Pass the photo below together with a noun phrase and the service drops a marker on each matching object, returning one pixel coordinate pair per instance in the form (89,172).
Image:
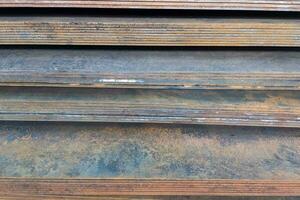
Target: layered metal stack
(150,99)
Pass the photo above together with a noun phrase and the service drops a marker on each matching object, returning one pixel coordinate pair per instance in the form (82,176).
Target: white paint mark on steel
(120,81)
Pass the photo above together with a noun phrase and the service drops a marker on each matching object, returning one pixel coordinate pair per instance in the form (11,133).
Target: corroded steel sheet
(140,68)
(219,107)
(93,150)
(149,31)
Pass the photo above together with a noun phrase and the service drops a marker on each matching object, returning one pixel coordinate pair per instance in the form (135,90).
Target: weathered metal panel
(222,107)
(93,150)
(140,68)
(150,31)
(88,160)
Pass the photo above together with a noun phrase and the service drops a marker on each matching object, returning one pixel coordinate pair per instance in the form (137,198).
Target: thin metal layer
(219,107)
(94,187)
(149,31)
(140,68)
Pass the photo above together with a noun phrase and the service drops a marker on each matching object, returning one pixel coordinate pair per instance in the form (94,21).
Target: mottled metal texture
(70,159)
(222,107)
(85,150)
(264,5)
(149,31)
(127,68)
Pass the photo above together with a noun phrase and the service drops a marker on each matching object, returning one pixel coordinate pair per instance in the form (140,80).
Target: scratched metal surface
(140,68)
(147,151)
(222,107)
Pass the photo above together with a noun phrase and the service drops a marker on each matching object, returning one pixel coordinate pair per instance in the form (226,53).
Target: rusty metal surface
(94,150)
(222,107)
(70,159)
(140,68)
(149,31)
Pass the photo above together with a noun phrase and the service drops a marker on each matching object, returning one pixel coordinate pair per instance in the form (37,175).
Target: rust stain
(149,151)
